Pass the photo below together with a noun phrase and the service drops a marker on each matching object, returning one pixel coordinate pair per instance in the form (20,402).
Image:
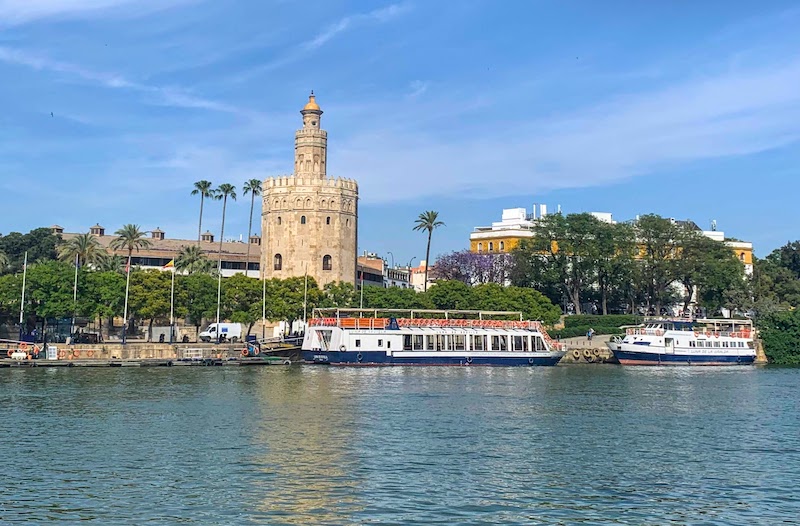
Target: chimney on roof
(255,239)
(97,230)
(57,229)
(157,234)
(208,236)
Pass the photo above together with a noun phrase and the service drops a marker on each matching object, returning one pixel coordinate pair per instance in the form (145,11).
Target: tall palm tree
(131,238)
(192,260)
(428,220)
(252,187)
(203,188)
(83,247)
(223,191)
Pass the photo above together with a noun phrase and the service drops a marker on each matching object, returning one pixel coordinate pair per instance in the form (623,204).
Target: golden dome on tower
(312,103)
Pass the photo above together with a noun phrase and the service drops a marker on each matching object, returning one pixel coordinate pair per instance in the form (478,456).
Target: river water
(439,445)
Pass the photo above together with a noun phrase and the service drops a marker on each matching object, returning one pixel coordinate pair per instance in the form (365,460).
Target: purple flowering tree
(473,269)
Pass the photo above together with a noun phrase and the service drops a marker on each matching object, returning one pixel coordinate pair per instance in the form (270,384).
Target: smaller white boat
(686,342)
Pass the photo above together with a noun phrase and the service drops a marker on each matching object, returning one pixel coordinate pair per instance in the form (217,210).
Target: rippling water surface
(319,445)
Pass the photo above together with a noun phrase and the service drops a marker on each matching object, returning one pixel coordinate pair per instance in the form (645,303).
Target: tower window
(491,246)
(328,220)
(279,220)
(347,222)
(302,220)
(502,246)
(326,263)
(278,264)
(480,247)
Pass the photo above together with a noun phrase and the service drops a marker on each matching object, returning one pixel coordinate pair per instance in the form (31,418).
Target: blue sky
(688,110)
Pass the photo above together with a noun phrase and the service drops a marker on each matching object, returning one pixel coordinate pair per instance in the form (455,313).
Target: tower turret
(311,142)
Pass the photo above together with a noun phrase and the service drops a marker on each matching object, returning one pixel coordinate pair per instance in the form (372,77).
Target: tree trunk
(200,223)
(427,260)
(603,294)
(249,233)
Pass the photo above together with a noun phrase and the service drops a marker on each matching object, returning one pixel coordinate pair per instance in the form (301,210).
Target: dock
(150,362)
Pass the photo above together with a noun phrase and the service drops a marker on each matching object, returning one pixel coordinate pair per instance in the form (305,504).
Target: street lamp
(392,257)
(409,263)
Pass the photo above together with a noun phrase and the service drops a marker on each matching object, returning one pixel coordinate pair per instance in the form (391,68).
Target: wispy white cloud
(417,87)
(723,115)
(163,95)
(344,24)
(21,11)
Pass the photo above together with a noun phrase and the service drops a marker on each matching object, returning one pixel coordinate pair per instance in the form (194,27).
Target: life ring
(359,357)
(576,354)
(76,353)
(342,348)
(23,346)
(716,335)
(469,359)
(35,352)
(531,360)
(244,352)
(89,353)
(9,353)
(62,353)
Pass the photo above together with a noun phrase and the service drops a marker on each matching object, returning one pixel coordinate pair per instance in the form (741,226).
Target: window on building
(328,220)
(279,220)
(480,247)
(502,246)
(347,222)
(741,256)
(278,262)
(302,220)
(327,263)
(491,247)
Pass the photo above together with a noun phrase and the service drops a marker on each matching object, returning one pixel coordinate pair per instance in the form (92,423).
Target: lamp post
(392,257)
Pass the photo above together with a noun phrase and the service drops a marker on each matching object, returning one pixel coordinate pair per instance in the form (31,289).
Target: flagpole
(74,297)
(127,288)
(219,291)
(305,298)
(172,307)
(22,301)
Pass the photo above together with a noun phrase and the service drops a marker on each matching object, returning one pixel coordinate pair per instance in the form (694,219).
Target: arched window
(328,220)
(279,220)
(278,264)
(480,247)
(308,203)
(302,220)
(491,246)
(347,223)
(502,246)
(741,256)
(326,263)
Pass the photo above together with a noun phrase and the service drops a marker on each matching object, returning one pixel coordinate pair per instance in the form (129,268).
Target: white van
(228,332)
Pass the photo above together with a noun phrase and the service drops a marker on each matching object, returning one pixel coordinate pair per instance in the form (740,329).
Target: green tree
(40,244)
(532,304)
(107,289)
(130,238)
(84,247)
(616,244)
(339,294)
(241,302)
(659,242)
(192,260)
(252,187)
(198,295)
(452,295)
(149,296)
(3,261)
(428,221)
(203,189)
(780,334)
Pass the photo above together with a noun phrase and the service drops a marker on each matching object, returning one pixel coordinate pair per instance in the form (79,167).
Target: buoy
(244,352)
(359,357)
(23,346)
(62,353)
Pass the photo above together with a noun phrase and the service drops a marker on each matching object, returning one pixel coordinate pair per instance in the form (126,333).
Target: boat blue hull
(649,358)
(380,358)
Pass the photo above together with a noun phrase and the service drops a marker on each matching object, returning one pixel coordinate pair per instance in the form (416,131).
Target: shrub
(596,320)
(780,334)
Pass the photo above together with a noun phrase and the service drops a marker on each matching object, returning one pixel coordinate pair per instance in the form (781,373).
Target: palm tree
(223,191)
(130,238)
(428,221)
(83,247)
(192,260)
(204,189)
(252,187)
(106,262)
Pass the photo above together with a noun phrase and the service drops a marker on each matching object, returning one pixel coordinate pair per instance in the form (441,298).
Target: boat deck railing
(710,333)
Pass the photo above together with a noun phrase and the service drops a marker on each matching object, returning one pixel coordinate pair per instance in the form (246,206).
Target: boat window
(459,341)
(429,342)
(441,342)
(380,342)
(418,342)
(716,344)
(388,344)
(499,343)
(478,343)
(538,343)
(325,337)
(406,342)
(358,343)
(724,344)
(520,343)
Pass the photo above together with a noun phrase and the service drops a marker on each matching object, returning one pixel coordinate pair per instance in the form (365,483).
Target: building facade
(162,250)
(309,221)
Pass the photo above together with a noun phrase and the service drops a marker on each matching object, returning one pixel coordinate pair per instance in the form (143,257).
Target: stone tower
(309,221)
